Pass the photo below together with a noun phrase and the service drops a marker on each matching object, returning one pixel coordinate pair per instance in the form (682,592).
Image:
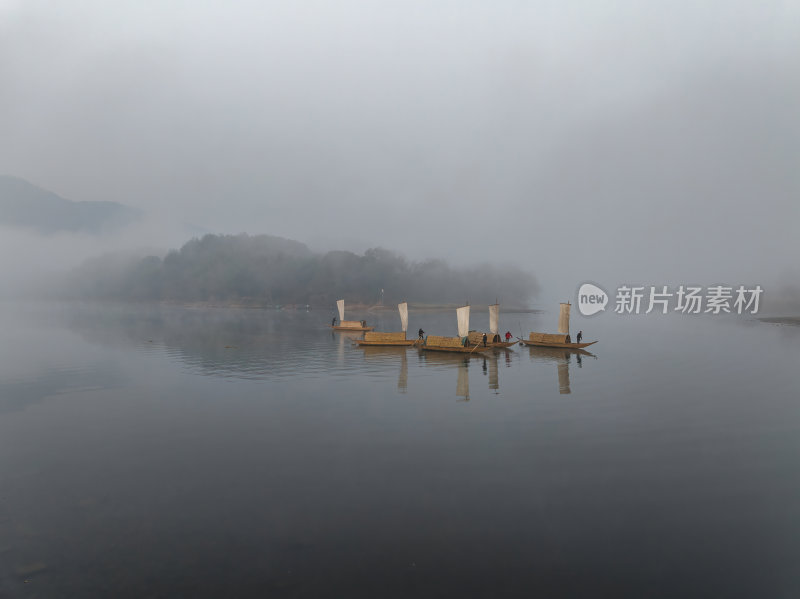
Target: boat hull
(474,349)
(501,344)
(406,343)
(565,345)
(356,329)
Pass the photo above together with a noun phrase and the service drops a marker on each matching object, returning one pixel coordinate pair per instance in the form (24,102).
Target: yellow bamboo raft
(451,344)
(352,325)
(552,340)
(386,339)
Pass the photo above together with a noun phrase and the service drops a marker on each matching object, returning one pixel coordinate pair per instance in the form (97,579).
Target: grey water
(163,451)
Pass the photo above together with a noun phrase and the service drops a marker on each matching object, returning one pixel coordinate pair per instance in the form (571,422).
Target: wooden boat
(562,339)
(451,344)
(390,339)
(349,325)
(458,344)
(493,338)
(554,343)
(476,338)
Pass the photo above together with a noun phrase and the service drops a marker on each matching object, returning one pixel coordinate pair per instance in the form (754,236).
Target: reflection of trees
(222,342)
(561,357)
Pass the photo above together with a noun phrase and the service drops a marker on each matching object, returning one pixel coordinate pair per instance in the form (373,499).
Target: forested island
(266,270)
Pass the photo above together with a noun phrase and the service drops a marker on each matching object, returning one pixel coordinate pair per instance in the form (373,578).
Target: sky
(649,142)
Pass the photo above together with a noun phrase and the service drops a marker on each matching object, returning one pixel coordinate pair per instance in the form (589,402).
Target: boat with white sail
(390,339)
(493,338)
(458,344)
(348,325)
(562,339)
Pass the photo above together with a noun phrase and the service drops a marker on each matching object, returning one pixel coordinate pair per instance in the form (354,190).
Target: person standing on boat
(580,336)
(421,334)
(333,322)
(508,336)
(484,340)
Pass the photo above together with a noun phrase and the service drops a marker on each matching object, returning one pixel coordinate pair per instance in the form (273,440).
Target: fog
(615,142)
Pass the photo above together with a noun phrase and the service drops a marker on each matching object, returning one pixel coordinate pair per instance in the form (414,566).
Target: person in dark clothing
(580,336)
(484,340)
(421,334)
(333,322)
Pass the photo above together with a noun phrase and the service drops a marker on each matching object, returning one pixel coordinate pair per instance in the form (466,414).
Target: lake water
(171,452)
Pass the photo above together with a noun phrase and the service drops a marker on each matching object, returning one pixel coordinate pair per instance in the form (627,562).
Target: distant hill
(24,205)
(263,270)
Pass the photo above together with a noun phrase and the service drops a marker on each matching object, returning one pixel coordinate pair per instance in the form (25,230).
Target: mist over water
(162,157)
(180,451)
(619,143)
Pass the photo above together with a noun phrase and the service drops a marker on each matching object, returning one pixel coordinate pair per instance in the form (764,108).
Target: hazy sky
(614,141)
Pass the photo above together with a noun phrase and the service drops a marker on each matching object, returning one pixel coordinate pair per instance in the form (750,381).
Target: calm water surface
(172,452)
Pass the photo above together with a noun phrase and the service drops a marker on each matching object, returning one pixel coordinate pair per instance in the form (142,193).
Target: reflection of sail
(494,375)
(340,349)
(563,320)
(389,355)
(340,305)
(403,308)
(402,378)
(494,319)
(462,383)
(463,321)
(563,378)
(345,338)
(562,357)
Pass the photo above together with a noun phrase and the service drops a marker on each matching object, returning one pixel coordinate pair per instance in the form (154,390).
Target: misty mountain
(25,205)
(263,269)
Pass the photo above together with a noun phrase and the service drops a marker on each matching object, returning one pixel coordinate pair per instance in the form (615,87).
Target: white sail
(563,320)
(494,319)
(340,305)
(463,321)
(403,308)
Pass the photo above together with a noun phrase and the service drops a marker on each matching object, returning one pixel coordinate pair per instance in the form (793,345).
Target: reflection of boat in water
(349,325)
(462,382)
(460,362)
(388,354)
(390,339)
(493,337)
(556,353)
(561,357)
(562,339)
(458,344)
(489,365)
